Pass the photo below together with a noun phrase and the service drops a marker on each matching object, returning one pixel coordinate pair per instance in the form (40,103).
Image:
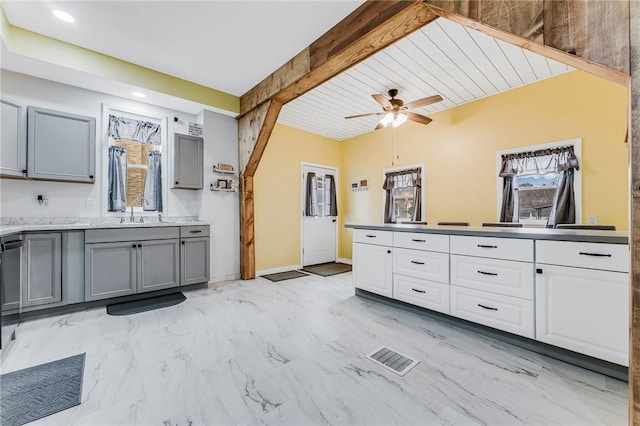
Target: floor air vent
(392,360)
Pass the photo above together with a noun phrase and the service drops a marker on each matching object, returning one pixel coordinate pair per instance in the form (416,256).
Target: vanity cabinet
(584,308)
(194,255)
(187,162)
(60,146)
(42,269)
(121,262)
(373,261)
(13,157)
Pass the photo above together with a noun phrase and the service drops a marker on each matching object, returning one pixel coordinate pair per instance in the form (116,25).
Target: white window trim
(104,129)
(422,189)
(577,178)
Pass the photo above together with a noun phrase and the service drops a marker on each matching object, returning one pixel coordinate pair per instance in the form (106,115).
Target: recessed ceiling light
(63,16)
(139,94)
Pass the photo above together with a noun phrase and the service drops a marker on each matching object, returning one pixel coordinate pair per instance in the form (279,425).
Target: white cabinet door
(584,310)
(372,268)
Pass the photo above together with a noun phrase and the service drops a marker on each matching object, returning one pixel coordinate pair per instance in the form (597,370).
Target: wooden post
(634,169)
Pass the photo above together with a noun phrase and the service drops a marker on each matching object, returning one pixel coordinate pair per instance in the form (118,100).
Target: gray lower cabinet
(110,270)
(41,269)
(158,265)
(194,259)
(121,262)
(187,162)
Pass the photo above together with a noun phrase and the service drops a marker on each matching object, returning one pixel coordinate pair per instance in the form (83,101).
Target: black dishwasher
(9,287)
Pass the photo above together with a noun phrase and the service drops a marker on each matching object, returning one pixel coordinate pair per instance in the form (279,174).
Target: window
(321,195)
(134,162)
(537,176)
(403,195)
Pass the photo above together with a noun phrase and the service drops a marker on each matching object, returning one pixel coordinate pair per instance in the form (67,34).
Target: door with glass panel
(319,214)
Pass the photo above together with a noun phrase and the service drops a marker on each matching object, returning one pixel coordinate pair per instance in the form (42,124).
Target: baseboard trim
(222,278)
(277,270)
(344,260)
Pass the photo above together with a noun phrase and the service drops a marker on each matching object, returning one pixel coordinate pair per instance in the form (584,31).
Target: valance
(134,130)
(539,162)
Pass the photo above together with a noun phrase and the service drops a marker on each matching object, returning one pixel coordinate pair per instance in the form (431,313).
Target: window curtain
(402,179)
(333,196)
(563,209)
(117,179)
(152,192)
(134,130)
(311,199)
(556,160)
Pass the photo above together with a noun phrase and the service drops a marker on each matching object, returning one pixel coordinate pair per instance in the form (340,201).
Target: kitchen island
(565,288)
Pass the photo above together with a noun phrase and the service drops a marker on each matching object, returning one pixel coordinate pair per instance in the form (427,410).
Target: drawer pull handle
(417,263)
(418,291)
(418,241)
(370,236)
(487,307)
(583,253)
(195,231)
(493,274)
(485,246)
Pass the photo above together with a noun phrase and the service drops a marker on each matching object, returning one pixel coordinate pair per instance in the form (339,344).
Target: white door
(318,229)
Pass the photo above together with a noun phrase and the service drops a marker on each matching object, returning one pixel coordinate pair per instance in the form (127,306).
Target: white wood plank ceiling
(458,63)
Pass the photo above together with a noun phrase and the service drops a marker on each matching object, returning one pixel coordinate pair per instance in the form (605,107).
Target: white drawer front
(419,241)
(497,248)
(608,257)
(502,312)
(367,236)
(422,264)
(427,294)
(496,276)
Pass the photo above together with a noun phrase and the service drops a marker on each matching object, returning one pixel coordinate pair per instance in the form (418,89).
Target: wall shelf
(226,172)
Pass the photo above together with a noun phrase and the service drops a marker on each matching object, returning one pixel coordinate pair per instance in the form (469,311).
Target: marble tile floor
(293,353)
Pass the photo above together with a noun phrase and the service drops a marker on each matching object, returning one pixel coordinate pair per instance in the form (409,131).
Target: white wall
(75,199)
(220,209)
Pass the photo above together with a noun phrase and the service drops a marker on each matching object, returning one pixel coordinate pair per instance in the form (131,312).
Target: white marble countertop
(17,225)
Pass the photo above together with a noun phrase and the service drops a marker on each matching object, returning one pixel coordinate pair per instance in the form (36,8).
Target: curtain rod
(404,172)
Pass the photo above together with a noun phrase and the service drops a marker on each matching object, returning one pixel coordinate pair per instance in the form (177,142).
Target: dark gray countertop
(613,237)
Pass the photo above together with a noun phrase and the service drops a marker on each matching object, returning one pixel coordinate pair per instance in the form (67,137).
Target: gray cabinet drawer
(194,231)
(130,234)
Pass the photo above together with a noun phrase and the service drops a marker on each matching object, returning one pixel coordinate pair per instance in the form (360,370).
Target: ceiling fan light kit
(396,112)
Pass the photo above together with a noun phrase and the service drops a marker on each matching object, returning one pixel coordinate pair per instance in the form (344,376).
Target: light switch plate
(592,219)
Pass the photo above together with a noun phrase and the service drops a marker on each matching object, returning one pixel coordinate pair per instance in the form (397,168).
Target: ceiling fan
(396,112)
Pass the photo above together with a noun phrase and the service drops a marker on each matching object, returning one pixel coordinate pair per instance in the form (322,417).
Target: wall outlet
(592,219)
(41,202)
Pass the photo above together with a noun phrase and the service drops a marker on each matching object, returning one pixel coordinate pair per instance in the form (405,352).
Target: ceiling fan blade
(379,126)
(423,102)
(382,101)
(365,115)
(418,118)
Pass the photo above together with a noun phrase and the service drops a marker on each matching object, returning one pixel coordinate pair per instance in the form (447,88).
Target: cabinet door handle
(487,307)
(485,246)
(370,236)
(388,251)
(139,245)
(583,253)
(493,274)
(418,241)
(182,242)
(134,246)
(177,183)
(90,176)
(418,291)
(417,263)
(195,231)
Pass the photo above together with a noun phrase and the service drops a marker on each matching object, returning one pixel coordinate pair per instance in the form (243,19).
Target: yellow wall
(277,192)
(459,148)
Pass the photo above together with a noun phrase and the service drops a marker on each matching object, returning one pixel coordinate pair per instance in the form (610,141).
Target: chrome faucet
(141,199)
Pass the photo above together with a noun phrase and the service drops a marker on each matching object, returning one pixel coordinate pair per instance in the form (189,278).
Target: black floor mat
(137,306)
(281,276)
(328,269)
